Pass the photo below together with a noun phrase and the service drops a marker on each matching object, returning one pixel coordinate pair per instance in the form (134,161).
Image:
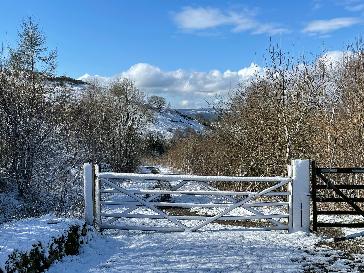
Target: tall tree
(25,100)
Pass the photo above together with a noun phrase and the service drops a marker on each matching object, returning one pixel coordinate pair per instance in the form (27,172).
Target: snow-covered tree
(24,104)
(157,102)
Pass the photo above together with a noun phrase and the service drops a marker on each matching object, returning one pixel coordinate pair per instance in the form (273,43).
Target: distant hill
(202,114)
(166,121)
(64,80)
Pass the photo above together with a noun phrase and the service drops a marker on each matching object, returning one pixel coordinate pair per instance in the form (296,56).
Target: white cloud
(183,85)
(326,26)
(333,57)
(353,5)
(150,77)
(201,18)
(184,103)
(350,5)
(355,8)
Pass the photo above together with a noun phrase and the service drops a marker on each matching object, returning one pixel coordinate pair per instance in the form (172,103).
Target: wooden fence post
(300,196)
(88,186)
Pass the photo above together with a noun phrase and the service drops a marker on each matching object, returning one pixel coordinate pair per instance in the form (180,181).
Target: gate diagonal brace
(149,199)
(145,203)
(176,187)
(133,207)
(341,194)
(209,187)
(238,204)
(256,212)
(184,182)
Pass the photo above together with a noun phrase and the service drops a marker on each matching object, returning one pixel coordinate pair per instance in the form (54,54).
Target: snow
(10,206)
(169,121)
(21,235)
(219,251)
(353,231)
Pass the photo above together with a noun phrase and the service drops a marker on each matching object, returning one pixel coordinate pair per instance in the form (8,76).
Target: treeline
(49,129)
(294,109)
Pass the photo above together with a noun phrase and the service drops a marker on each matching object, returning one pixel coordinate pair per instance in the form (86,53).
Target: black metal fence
(325,188)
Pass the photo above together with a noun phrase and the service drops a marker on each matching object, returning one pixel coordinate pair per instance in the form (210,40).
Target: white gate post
(299,203)
(88,178)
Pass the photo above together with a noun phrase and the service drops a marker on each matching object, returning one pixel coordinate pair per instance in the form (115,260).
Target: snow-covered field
(233,251)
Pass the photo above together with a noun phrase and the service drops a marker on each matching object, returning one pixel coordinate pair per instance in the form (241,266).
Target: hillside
(167,121)
(208,114)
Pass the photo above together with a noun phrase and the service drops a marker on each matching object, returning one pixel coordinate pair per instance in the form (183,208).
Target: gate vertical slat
(313,194)
(97,203)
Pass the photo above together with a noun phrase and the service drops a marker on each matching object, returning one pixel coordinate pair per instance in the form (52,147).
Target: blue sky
(187,51)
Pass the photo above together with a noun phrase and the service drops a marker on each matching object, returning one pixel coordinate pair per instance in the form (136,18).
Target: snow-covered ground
(233,251)
(169,121)
(21,235)
(209,251)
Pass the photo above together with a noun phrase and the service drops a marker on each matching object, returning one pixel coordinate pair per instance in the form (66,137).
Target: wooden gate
(154,202)
(330,197)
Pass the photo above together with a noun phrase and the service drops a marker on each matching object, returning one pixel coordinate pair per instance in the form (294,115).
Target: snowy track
(220,251)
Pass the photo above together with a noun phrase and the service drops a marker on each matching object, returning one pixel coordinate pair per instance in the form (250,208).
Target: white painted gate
(155,202)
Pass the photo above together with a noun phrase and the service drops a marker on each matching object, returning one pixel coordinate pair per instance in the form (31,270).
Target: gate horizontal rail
(110,190)
(195,205)
(188,217)
(172,177)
